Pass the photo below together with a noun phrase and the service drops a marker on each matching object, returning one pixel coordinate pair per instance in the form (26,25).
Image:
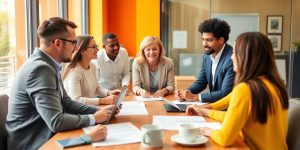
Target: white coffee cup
(152,136)
(189,132)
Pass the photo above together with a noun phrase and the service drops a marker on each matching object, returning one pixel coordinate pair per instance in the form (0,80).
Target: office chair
(293,135)
(3,113)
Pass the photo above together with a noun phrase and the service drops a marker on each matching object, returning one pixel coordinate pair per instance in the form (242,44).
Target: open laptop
(172,107)
(117,104)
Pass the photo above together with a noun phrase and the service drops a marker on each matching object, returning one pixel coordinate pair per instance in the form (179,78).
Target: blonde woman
(80,76)
(152,72)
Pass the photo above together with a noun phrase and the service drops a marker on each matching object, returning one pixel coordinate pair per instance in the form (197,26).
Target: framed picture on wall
(274,24)
(276,42)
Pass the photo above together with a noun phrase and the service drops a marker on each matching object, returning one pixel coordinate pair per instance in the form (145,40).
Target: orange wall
(104,16)
(121,20)
(96,21)
(130,20)
(148,19)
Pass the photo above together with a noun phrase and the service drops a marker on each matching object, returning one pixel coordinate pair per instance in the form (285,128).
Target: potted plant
(297,46)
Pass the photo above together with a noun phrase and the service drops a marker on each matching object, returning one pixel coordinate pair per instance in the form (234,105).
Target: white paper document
(133,108)
(211,125)
(145,99)
(120,133)
(172,122)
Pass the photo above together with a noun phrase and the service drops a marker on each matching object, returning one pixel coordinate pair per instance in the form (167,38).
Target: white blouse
(82,85)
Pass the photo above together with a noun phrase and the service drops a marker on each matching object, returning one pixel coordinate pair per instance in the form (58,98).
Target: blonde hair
(148,40)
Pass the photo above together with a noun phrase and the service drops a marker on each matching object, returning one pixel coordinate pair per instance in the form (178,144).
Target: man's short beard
(210,51)
(66,60)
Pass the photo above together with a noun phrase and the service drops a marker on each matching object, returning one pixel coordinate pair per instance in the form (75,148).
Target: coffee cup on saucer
(189,132)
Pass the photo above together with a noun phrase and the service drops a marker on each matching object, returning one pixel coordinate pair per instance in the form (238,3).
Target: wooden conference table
(153,108)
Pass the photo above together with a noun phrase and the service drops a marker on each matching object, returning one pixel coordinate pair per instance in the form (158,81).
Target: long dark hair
(251,48)
(82,44)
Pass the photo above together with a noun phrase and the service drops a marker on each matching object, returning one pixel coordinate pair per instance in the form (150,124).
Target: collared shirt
(215,61)
(111,74)
(58,67)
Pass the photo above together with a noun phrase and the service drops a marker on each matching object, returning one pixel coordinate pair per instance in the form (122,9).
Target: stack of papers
(173,122)
(145,99)
(133,108)
(120,133)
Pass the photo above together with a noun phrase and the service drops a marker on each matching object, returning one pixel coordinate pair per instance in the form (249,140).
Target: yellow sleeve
(236,116)
(219,105)
(217,115)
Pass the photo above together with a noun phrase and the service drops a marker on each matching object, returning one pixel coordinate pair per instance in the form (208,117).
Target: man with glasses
(38,104)
(112,65)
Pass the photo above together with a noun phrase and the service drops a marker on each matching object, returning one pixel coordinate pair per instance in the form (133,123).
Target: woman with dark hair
(80,76)
(257,106)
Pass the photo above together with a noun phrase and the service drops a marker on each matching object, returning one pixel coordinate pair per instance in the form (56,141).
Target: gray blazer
(36,110)
(141,75)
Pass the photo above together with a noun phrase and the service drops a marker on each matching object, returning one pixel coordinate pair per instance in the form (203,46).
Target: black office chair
(3,113)
(293,136)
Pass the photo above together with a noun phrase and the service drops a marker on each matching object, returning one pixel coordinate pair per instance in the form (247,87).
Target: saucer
(200,140)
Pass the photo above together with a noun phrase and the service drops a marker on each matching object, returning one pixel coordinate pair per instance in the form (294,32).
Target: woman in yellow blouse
(257,106)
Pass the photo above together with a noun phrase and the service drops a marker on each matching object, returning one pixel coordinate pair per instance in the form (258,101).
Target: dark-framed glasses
(74,42)
(96,46)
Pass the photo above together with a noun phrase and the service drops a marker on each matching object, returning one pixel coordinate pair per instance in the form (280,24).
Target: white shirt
(215,61)
(110,74)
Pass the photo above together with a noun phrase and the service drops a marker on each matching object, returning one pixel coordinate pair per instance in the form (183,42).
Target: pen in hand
(182,100)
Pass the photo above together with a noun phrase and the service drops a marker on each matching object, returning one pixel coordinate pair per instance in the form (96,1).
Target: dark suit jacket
(224,77)
(36,110)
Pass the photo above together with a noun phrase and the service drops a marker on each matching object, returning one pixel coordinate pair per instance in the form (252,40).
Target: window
(7,45)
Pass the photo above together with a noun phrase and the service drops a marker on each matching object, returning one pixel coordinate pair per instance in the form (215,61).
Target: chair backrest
(3,113)
(293,135)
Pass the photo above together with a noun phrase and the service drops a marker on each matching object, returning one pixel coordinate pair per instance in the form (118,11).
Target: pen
(182,100)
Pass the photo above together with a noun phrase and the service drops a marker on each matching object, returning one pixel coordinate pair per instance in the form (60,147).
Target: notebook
(117,104)
(171,107)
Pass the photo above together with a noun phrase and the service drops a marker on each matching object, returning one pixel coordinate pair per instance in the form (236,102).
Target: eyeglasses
(94,46)
(74,42)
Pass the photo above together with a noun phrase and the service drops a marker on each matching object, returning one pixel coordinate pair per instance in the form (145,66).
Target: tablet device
(171,107)
(117,104)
